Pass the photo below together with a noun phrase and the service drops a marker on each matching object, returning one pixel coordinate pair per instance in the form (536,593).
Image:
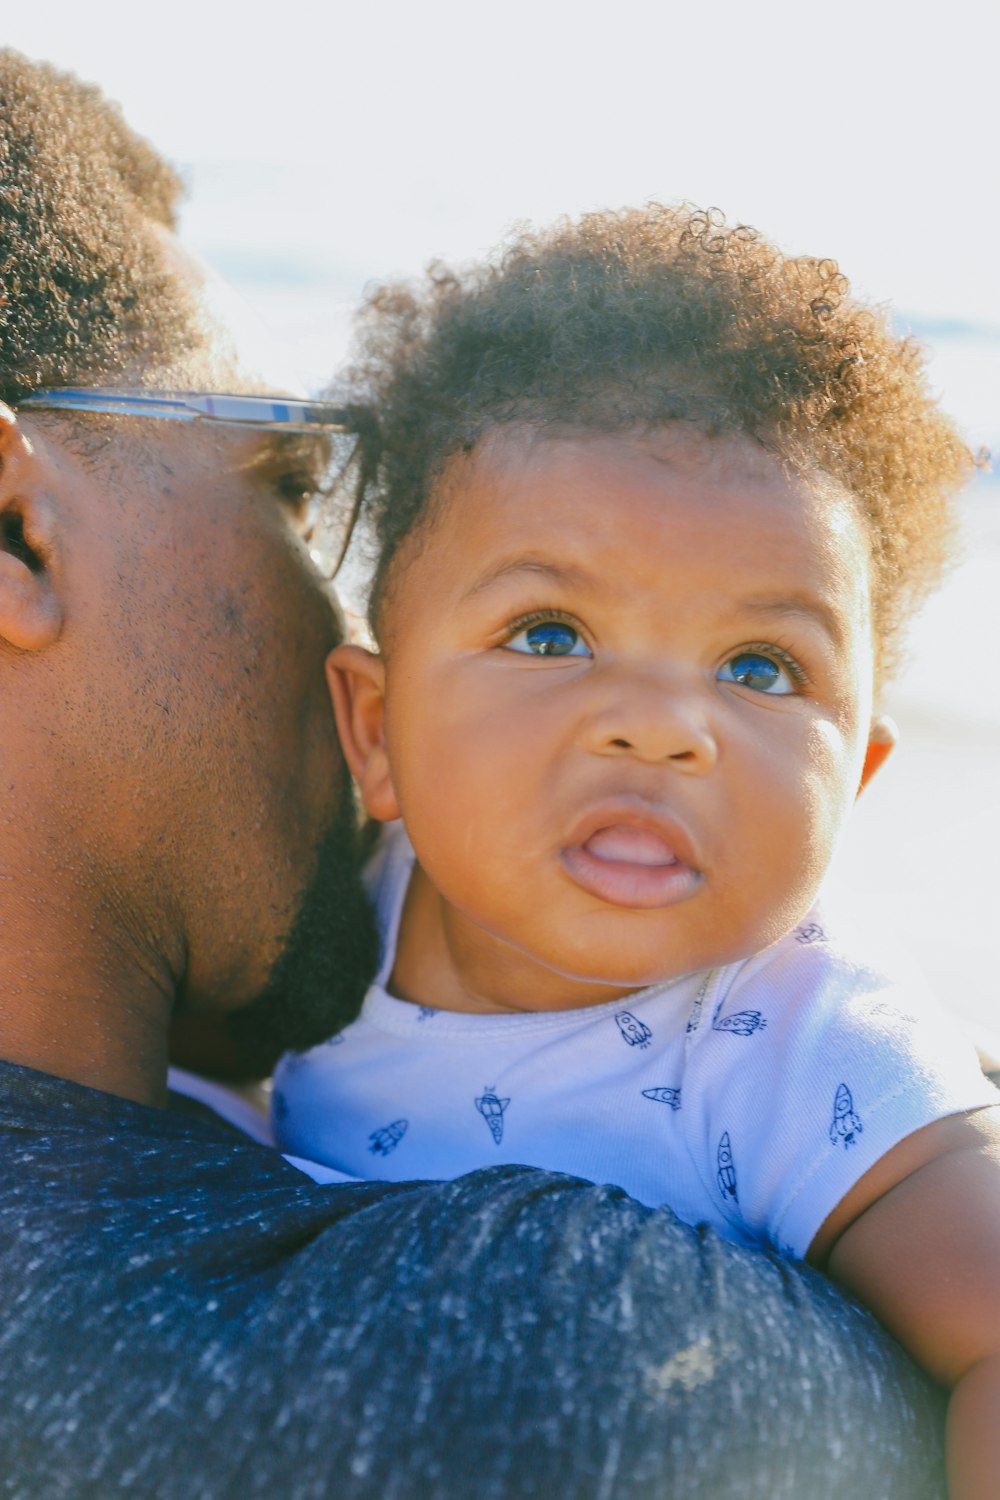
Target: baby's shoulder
(817,982)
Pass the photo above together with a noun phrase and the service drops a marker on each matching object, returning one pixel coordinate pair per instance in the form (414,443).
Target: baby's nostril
(621,744)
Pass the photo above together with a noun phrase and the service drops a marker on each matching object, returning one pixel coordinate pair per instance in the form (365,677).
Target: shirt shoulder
(812,1064)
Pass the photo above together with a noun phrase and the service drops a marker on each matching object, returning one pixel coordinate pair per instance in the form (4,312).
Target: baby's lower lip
(628,865)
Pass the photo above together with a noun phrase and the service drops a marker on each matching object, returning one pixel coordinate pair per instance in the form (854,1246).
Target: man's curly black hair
(83,292)
(630,320)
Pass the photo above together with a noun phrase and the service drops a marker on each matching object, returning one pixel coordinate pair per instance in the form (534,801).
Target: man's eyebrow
(543,568)
(303,450)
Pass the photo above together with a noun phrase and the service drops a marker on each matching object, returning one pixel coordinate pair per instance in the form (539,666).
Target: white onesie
(751,1096)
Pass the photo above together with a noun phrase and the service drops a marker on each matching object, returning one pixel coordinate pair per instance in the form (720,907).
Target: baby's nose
(653,722)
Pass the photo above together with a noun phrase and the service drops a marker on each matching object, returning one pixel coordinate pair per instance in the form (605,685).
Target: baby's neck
(446,962)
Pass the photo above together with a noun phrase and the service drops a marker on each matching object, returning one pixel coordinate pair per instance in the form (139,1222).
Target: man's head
(169,757)
(85,295)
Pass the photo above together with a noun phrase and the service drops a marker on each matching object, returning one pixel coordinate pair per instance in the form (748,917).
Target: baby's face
(629,696)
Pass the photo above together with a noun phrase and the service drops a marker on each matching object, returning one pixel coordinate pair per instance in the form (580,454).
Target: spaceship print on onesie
(664,1096)
(741,1023)
(492,1110)
(726,1174)
(633,1031)
(383,1142)
(845,1125)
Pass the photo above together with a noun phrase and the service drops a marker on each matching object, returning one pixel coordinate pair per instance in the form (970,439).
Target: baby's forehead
(513,460)
(596,500)
(521,450)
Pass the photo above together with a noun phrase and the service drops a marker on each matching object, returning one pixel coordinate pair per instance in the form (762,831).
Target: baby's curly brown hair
(634,319)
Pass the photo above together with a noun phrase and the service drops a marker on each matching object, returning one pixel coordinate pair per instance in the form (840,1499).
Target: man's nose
(655,719)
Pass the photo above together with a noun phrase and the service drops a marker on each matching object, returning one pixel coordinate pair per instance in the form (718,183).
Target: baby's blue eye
(549,638)
(753,669)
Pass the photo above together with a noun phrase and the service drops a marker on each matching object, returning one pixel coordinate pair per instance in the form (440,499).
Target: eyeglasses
(274,412)
(263,413)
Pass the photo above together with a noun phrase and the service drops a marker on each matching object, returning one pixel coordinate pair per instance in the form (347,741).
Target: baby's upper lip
(634,812)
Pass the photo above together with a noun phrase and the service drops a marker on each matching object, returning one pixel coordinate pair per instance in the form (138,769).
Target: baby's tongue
(627,845)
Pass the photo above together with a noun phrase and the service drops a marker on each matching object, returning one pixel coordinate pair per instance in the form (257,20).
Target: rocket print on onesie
(492,1110)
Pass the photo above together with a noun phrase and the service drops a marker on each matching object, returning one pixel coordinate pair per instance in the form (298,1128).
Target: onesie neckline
(390,869)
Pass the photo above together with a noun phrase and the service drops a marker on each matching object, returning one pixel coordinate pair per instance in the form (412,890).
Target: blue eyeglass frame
(277,413)
(263,413)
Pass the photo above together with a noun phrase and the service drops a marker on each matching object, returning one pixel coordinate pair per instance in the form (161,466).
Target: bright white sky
(355,141)
(860,130)
(331,143)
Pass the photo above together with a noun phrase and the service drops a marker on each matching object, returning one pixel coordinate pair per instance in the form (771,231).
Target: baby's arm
(918,1241)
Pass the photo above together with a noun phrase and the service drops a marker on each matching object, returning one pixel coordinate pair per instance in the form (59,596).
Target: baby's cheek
(829,784)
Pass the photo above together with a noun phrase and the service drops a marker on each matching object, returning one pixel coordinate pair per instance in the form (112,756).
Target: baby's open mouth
(622,843)
(629,864)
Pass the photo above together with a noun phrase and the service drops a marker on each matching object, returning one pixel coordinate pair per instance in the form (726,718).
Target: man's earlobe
(881,743)
(31,614)
(357,687)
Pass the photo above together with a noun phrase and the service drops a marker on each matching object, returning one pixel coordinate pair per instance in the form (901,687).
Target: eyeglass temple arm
(251,411)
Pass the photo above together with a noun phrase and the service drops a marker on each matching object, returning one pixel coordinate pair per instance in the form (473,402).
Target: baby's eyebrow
(801,606)
(806,607)
(541,567)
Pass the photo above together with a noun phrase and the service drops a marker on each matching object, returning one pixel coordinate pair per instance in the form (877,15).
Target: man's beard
(328,961)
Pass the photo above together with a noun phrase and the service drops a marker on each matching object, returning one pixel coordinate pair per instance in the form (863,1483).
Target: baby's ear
(357,687)
(881,743)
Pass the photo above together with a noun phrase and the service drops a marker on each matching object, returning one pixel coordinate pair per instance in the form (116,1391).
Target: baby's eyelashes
(770,671)
(763,668)
(547,635)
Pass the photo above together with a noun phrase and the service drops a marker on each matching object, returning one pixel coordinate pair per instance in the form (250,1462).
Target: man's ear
(881,742)
(31,614)
(357,687)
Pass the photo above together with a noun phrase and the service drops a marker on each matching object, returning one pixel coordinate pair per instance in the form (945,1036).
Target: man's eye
(298,490)
(765,674)
(549,638)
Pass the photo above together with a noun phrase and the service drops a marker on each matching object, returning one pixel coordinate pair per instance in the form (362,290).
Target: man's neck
(78,997)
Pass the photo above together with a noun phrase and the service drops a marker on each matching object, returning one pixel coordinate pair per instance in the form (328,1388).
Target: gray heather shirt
(186,1317)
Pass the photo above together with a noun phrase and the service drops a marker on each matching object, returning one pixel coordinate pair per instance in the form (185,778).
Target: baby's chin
(572,986)
(614,978)
(612,955)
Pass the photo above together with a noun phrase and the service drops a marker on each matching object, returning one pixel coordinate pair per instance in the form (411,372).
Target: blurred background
(329,146)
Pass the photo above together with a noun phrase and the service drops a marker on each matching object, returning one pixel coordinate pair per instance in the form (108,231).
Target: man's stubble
(328,961)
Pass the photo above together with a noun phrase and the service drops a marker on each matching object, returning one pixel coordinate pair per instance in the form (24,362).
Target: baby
(653,502)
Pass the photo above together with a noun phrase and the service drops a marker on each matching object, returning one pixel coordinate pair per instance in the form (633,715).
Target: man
(184,1313)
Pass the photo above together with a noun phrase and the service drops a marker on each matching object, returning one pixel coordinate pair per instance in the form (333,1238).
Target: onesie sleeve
(805,1068)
